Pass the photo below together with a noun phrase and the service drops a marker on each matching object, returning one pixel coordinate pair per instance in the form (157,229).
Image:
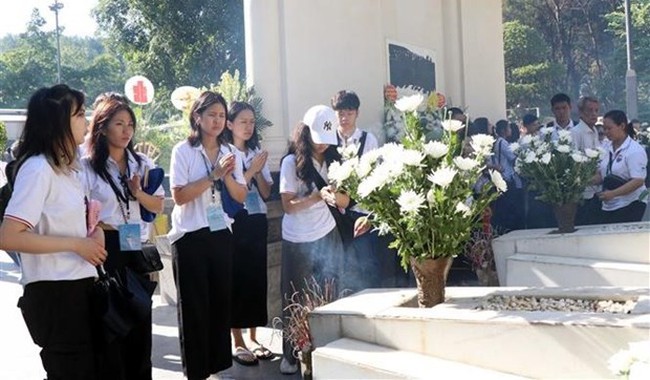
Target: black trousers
(59,319)
(128,358)
(589,212)
(630,213)
(202,263)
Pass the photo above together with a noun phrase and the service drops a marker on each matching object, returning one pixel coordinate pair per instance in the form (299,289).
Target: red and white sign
(139,90)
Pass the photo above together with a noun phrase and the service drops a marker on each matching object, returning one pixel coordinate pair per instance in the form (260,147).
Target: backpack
(7,189)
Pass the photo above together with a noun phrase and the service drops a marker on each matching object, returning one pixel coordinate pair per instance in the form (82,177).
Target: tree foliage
(175,42)
(28,62)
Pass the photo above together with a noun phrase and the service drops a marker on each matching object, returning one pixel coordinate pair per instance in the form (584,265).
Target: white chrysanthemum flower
(364,168)
(390,151)
(592,153)
(564,136)
(410,202)
(514,147)
(498,181)
(546,130)
(639,371)
(394,168)
(563,148)
(526,140)
(464,163)
(442,177)
(412,157)
(579,157)
(530,157)
(409,103)
(368,185)
(371,156)
(640,350)
(462,208)
(546,158)
(383,229)
(348,151)
(436,149)
(482,144)
(452,125)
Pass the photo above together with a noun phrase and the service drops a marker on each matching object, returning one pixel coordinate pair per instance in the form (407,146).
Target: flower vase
(305,365)
(565,215)
(431,277)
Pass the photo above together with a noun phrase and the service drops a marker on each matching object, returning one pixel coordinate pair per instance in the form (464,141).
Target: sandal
(244,357)
(262,352)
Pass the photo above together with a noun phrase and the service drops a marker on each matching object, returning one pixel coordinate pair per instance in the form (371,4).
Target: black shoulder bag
(612,181)
(344,221)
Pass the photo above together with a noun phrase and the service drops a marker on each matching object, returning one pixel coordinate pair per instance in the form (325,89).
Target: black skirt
(249,287)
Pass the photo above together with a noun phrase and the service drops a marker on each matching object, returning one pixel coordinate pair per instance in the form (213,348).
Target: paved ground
(19,356)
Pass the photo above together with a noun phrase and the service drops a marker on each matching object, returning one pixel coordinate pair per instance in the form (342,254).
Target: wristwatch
(212,177)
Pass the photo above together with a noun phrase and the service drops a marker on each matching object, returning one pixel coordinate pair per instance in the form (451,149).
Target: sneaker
(287,368)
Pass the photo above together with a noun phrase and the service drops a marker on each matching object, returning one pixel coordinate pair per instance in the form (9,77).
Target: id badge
(253,202)
(129,237)
(216,221)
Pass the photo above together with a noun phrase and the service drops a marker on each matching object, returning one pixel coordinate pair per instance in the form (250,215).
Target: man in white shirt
(561,107)
(585,135)
(362,267)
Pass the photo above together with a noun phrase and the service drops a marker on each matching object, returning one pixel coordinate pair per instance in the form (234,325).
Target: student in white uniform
(364,257)
(45,221)
(249,236)
(311,244)
(202,167)
(626,159)
(112,171)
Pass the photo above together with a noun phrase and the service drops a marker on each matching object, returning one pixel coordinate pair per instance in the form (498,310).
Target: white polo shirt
(266,173)
(50,203)
(628,161)
(370,144)
(98,189)
(311,223)
(584,137)
(188,164)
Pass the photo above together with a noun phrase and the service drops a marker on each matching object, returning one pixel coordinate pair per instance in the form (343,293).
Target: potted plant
(559,172)
(423,193)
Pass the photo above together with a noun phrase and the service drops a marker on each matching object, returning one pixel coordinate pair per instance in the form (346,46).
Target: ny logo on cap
(327,126)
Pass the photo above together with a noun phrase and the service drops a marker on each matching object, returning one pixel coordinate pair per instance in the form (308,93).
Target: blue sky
(75,16)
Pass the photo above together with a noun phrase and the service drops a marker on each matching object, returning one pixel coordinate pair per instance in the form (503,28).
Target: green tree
(175,42)
(529,76)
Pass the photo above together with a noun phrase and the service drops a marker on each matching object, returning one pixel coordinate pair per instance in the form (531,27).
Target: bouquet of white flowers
(559,172)
(422,192)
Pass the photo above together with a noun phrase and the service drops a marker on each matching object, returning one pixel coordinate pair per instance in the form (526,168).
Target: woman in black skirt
(202,167)
(249,236)
(112,171)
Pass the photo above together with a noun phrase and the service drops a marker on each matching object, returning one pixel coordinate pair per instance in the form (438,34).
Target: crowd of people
(624,157)
(219,181)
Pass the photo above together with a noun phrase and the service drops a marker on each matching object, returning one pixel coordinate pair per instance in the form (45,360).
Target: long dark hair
(47,128)
(105,110)
(234,110)
(300,146)
(202,103)
(619,117)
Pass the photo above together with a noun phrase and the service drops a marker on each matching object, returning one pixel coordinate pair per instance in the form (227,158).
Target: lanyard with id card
(214,211)
(129,232)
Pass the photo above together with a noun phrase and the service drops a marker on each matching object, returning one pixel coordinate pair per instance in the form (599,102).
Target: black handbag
(612,181)
(120,302)
(344,221)
(147,260)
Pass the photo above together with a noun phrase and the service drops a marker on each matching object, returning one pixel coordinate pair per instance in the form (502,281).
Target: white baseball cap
(322,123)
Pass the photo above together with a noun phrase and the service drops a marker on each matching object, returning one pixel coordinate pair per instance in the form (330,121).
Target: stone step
(546,270)
(353,359)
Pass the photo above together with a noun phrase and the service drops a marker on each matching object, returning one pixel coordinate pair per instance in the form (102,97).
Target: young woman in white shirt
(113,170)
(249,236)
(45,221)
(202,168)
(311,244)
(624,157)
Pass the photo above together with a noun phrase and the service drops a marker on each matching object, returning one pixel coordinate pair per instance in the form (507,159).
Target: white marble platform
(528,344)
